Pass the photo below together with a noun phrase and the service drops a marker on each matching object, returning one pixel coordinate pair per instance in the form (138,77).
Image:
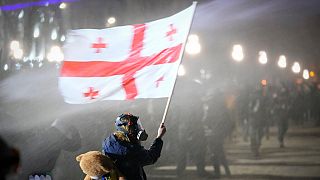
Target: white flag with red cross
(125,62)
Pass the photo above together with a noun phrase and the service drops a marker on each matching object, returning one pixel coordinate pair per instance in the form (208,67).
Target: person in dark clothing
(282,114)
(257,113)
(124,148)
(191,144)
(9,158)
(220,124)
(190,130)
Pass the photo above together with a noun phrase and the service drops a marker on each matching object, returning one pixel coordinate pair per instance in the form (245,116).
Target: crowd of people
(202,124)
(278,106)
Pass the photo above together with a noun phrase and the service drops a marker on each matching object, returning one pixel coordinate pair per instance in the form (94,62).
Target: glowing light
(237,53)
(40,57)
(55,54)
(305,74)
(62,5)
(312,73)
(193,38)
(193,46)
(51,20)
(198,81)
(18,53)
(181,71)
(62,38)
(14,45)
(263,57)
(264,82)
(42,17)
(20,16)
(296,67)
(6,67)
(54,34)
(111,20)
(282,62)
(40,64)
(36,32)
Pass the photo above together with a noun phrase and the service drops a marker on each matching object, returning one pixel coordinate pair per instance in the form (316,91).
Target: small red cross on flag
(99,45)
(158,81)
(171,32)
(139,61)
(91,93)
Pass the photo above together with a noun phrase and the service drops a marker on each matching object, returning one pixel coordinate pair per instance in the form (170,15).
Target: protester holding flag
(126,63)
(124,148)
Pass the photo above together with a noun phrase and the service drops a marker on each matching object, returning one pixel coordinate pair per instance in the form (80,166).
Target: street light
(36,32)
(305,74)
(193,46)
(312,73)
(6,67)
(111,21)
(63,5)
(263,57)
(62,38)
(21,14)
(18,53)
(237,52)
(14,45)
(54,34)
(296,67)
(282,62)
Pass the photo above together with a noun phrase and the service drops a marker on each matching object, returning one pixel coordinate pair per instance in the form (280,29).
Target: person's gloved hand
(162,130)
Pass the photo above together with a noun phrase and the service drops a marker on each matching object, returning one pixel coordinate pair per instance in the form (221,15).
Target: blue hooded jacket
(130,158)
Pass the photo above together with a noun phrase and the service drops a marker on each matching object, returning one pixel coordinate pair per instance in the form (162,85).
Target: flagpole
(175,80)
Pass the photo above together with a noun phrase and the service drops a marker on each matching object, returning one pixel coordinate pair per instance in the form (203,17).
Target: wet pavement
(299,159)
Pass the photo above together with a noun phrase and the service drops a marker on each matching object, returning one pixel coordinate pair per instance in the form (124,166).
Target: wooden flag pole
(182,54)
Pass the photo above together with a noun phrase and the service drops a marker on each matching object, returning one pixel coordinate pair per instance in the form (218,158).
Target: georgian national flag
(125,62)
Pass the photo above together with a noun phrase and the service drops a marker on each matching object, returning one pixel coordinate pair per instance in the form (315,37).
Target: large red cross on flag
(125,62)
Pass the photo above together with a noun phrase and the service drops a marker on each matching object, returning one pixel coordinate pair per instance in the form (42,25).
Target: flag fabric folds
(125,62)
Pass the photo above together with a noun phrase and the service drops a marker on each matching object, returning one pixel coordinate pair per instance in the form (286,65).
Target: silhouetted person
(257,113)
(243,104)
(124,147)
(283,119)
(9,159)
(191,143)
(191,136)
(220,124)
